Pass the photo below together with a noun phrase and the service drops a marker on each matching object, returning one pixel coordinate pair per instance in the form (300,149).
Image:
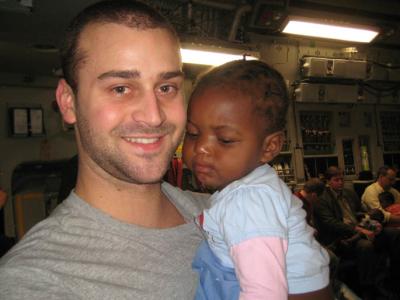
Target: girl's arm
(260,267)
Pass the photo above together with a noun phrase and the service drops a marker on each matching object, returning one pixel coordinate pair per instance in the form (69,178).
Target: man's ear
(272,145)
(66,101)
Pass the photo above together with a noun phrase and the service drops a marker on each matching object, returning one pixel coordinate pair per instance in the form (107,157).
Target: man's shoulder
(326,201)
(45,235)
(24,266)
(187,202)
(371,192)
(350,192)
(373,187)
(33,240)
(326,195)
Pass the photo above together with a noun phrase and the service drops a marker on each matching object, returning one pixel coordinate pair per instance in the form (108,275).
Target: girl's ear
(66,101)
(272,146)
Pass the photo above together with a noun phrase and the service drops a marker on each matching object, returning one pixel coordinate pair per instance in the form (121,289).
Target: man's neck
(141,204)
(383,187)
(337,193)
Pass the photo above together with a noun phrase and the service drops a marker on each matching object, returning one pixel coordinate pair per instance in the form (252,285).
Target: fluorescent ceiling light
(211,58)
(331,31)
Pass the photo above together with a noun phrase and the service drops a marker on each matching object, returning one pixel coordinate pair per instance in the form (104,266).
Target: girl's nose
(203,150)
(202,145)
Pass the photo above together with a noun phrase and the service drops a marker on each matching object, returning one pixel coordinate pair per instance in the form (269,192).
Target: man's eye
(120,90)
(167,89)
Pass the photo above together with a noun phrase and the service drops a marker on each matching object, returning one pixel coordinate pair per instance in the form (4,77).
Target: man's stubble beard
(118,164)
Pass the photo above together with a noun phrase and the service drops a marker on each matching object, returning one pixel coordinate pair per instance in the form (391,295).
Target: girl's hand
(369,234)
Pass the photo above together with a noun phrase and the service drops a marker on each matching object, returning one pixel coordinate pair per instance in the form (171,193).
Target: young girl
(255,229)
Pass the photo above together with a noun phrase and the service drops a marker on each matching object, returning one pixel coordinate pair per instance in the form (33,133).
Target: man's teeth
(142,140)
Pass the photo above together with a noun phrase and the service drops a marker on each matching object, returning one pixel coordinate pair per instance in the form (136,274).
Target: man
(384,183)
(337,224)
(120,234)
(309,194)
(336,212)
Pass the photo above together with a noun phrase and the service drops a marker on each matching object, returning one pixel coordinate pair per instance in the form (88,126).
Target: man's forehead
(117,66)
(100,31)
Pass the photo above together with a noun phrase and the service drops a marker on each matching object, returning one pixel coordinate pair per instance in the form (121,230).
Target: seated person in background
(338,227)
(384,183)
(386,199)
(309,194)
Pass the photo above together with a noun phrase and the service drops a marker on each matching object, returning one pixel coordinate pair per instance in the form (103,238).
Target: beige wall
(56,144)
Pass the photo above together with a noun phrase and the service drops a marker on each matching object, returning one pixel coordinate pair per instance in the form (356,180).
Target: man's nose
(149,111)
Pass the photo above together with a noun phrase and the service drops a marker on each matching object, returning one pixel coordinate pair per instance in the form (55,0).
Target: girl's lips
(202,168)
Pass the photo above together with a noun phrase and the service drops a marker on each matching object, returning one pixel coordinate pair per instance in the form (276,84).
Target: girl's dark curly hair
(254,79)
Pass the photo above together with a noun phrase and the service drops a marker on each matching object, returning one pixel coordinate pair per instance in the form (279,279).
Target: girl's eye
(191,135)
(226,141)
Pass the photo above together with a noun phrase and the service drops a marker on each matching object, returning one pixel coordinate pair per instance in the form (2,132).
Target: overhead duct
(21,6)
(241,11)
(215,4)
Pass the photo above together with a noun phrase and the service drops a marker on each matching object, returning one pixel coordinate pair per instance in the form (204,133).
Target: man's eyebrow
(172,74)
(132,74)
(125,74)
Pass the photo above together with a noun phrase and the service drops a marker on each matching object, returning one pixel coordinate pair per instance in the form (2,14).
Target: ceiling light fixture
(213,58)
(330,30)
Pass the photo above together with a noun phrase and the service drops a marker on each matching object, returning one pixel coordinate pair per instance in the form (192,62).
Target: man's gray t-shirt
(80,252)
